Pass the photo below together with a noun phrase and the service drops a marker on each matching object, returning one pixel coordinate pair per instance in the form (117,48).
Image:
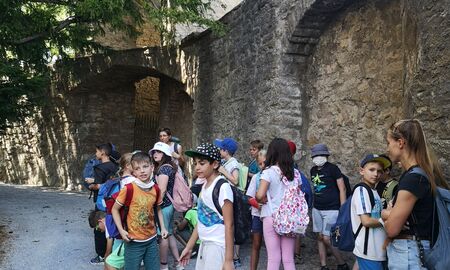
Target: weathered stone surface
(337,71)
(104,99)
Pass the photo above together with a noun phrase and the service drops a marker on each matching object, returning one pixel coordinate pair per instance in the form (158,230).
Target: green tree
(35,33)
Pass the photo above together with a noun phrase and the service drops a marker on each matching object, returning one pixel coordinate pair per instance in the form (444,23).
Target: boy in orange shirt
(140,234)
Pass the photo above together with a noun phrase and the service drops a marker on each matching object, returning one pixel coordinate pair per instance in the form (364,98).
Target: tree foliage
(35,33)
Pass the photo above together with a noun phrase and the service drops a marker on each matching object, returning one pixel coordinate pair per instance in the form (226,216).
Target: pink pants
(278,247)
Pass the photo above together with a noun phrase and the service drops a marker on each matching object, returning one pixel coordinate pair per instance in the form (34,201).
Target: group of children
(388,220)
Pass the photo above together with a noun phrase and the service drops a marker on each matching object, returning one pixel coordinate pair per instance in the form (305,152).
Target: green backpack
(243,176)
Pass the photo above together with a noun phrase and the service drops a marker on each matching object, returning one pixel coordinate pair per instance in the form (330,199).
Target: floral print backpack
(291,218)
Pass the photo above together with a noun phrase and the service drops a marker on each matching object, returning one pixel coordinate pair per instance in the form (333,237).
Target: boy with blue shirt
(369,250)
(255,147)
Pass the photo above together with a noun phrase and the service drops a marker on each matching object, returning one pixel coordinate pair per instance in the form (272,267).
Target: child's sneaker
(324,268)
(179,267)
(237,263)
(342,267)
(98,260)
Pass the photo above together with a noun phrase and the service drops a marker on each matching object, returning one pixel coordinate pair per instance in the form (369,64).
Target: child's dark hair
(257,144)
(209,159)
(390,161)
(166,130)
(278,153)
(140,157)
(165,160)
(106,147)
(94,217)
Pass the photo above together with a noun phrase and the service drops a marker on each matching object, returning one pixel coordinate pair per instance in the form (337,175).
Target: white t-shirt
(361,205)
(251,191)
(215,232)
(275,192)
(231,165)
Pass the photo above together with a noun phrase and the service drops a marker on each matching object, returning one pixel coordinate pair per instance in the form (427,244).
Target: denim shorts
(167,213)
(404,254)
(257,225)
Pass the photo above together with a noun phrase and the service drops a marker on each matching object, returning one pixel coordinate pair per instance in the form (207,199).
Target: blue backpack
(88,171)
(437,257)
(106,191)
(306,188)
(342,235)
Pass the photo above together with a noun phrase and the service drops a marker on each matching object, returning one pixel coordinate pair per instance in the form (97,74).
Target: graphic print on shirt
(141,214)
(206,215)
(318,183)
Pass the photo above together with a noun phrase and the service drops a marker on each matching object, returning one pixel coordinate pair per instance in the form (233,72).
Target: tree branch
(54,2)
(61,26)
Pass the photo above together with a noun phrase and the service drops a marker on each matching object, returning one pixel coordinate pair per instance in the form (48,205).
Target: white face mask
(319,160)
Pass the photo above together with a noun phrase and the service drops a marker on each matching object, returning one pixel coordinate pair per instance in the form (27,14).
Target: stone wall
(334,71)
(374,77)
(237,87)
(338,72)
(356,81)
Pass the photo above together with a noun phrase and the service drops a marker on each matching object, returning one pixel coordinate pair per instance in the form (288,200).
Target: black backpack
(241,212)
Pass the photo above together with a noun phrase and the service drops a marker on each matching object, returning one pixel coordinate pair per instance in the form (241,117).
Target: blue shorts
(365,264)
(257,225)
(167,213)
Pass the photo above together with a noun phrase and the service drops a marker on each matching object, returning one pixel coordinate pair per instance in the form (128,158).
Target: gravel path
(47,228)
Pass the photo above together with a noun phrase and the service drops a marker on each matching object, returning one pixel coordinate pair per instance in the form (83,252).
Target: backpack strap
(158,192)
(129,196)
(372,203)
(215,194)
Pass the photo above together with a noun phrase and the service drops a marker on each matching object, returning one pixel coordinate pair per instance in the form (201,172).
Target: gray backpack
(438,257)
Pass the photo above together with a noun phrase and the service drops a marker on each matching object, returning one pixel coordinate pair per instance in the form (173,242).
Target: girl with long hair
(408,220)
(164,175)
(271,189)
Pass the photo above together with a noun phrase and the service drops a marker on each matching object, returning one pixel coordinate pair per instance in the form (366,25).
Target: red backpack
(109,221)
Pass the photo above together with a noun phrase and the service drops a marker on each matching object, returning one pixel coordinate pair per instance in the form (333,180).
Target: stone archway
(94,100)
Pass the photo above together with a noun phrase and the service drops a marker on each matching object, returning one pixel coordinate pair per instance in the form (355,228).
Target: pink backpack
(291,218)
(182,195)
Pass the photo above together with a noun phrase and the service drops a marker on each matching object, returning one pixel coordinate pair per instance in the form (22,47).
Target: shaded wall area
(120,103)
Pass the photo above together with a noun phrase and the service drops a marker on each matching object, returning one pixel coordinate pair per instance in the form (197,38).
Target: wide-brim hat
(205,150)
(319,149)
(376,158)
(162,147)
